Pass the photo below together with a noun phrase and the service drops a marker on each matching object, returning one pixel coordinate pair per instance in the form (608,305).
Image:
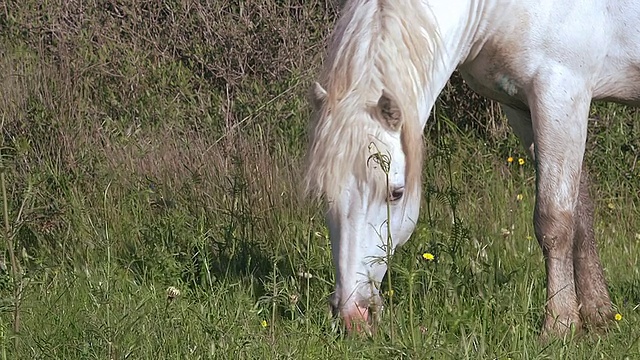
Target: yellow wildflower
(521,161)
(519,197)
(510,159)
(618,317)
(264,323)
(428,256)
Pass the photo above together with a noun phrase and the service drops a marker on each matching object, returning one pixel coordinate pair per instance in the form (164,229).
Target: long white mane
(376,46)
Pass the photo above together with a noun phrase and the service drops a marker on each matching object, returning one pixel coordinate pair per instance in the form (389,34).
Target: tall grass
(149,145)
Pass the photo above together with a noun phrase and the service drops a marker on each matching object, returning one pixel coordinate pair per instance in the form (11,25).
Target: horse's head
(357,161)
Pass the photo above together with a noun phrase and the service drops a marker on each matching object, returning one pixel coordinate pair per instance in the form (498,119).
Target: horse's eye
(396,194)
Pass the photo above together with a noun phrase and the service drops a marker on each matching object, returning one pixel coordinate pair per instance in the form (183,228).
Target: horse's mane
(376,45)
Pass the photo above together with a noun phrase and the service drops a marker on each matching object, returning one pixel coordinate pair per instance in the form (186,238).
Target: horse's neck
(458,27)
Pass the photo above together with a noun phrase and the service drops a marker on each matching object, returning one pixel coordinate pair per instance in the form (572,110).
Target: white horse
(544,60)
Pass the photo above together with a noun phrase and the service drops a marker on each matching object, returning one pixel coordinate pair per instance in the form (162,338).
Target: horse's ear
(318,95)
(389,111)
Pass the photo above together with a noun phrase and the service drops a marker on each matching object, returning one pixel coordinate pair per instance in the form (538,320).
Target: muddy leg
(591,287)
(559,120)
(554,230)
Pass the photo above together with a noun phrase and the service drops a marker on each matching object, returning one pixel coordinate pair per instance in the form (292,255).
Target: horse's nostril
(334,305)
(396,193)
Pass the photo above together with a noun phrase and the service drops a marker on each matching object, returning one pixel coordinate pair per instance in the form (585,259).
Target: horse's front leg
(559,110)
(591,287)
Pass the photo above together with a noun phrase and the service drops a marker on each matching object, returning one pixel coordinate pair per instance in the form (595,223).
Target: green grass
(482,296)
(139,154)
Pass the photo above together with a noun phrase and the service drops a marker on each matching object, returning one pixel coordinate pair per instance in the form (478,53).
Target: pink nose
(356,319)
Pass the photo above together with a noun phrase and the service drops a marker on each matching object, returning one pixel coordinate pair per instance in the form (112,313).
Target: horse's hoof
(557,328)
(598,319)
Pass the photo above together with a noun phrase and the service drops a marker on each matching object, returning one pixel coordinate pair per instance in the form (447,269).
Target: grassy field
(149,145)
